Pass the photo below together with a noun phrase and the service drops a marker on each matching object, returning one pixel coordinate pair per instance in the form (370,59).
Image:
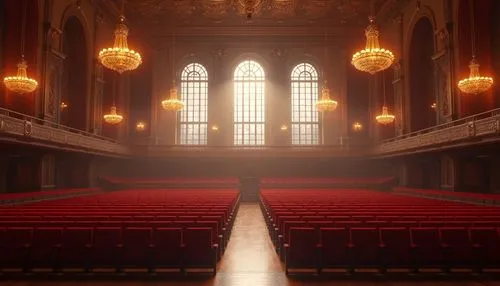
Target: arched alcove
(75,75)
(421,73)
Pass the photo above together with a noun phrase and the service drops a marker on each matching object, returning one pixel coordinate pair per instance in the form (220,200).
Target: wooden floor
(250,260)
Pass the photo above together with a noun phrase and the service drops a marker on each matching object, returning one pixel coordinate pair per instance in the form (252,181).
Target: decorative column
(98,97)
(398,86)
(443,78)
(278,94)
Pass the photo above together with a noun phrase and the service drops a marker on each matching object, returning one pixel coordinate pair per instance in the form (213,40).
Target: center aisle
(250,258)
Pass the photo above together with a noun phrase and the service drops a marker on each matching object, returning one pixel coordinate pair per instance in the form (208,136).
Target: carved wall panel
(53,85)
(443,86)
(398,86)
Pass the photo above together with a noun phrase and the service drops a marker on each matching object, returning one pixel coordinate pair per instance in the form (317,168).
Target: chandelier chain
(472,28)
(23,27)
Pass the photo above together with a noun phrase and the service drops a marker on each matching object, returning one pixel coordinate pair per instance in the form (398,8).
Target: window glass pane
(193,117)
(305,92)
(249,104)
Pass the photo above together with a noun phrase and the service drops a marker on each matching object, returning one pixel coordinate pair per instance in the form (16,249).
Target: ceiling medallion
(249,7)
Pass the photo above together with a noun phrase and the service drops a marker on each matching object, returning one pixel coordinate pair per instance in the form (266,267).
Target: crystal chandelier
(385,117)
(21,83)
(326,103)
(112,117)
(173,103)
(120,58)
(475,83)
(373,58)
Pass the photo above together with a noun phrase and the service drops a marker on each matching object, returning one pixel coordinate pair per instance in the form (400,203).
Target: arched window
(249,105)
(305,119)
(193,117)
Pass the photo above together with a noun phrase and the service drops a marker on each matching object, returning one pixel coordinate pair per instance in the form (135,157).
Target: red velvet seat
(302,251)
(167,247)
(76,247)
(486,243)
(199,251)
(106,247)
(334,247)
(16,245)
(396,247)
(426,247)
(136,251)
(457,247)
(365,247)
(45,247)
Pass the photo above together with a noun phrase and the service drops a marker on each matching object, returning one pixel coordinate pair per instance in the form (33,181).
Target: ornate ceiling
(157,19)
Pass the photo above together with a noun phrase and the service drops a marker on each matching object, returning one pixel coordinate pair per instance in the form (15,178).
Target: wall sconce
(284,127)
(140,126)
(215,128)
(63,105)
(356,126)
(434,105)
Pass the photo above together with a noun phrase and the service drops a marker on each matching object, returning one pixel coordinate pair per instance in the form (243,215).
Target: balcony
(479,128)
(21,128)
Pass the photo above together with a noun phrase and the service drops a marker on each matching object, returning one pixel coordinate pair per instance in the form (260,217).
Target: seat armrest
(88,245)
(350,245)
(445,245)
(414,246)
(119,245)
(286,245)
(151,245)
(477,245)
(215,245)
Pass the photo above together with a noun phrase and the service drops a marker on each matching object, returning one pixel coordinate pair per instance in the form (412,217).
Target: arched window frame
(305,119)
(193,118)
(249,104)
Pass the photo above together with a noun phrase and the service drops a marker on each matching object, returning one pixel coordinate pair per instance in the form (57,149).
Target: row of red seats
(351,209)
(85,249)
(39,195)
(322,180)
(61,218)
(388,248)
(445,194)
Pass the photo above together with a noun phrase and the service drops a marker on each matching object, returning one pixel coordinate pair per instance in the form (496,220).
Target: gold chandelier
(112,117)
(20,83)
(326,103)
(385,117)
(120,58)
(173,103)
(373,58)
(475,83)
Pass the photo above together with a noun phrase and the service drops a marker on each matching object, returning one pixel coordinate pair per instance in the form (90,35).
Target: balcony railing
(17,124)
(477,125)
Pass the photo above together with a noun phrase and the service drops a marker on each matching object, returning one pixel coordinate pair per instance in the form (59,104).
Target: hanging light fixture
(173,103)
(21,83)
(475,83)
(120,58)
(113,117)
(385,117)
(373,58)
(326,103)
